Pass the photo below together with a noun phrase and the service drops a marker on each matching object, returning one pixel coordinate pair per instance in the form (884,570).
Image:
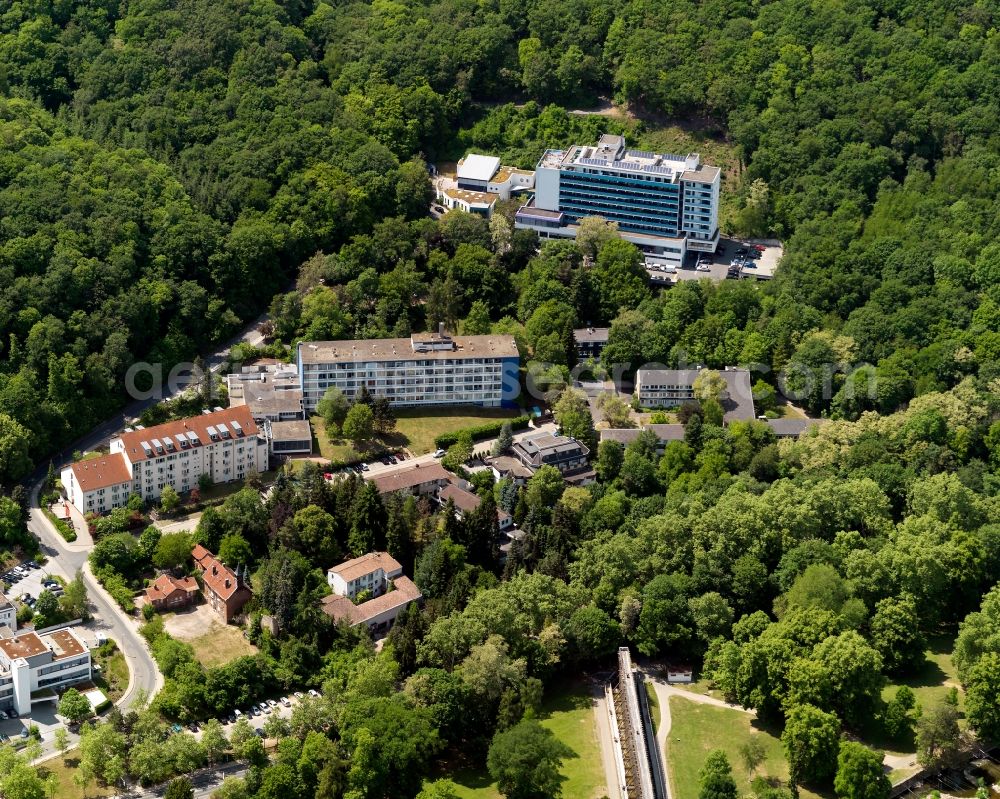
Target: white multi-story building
(664,204)
(425,369)
(479,182)
(370,572)
(32,661)
(8,613)
(225,445)
(669,388)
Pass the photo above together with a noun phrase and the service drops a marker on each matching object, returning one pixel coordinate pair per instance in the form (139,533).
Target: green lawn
(417,428)
(64,768)
(935,678)
(696,729)
(930,683)
(342,451)
(570,716)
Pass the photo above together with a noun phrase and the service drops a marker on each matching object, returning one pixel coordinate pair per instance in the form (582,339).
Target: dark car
(193,726)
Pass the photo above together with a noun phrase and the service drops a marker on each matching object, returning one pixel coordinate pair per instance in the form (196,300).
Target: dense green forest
(167,166)
(170,168)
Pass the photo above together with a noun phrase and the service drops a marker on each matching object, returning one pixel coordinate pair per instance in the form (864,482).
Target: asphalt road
(67,559)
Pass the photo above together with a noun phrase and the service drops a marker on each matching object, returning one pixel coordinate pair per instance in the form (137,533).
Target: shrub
(481,431)
(65,530)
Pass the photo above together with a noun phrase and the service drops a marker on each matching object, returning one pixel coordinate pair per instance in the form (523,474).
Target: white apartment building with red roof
(225,444)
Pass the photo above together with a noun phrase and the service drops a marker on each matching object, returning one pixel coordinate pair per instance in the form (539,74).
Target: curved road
(66,559)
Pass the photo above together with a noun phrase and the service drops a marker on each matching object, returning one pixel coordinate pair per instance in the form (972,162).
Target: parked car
(272,703)
(314,693)
(364,467)
(298,695)
(176,728)
(12,713)
(193,726)
(3,716)
(260,733)
(439,453)
(286,701)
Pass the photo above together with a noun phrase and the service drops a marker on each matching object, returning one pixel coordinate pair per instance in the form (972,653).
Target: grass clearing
(214,643)
(221,645)
(419,427)
(696,729)
(113,678)
(569,714)
(930,684)
(64,769)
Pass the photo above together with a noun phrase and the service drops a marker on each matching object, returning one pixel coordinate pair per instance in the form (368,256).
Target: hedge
(481,431)
(64,529)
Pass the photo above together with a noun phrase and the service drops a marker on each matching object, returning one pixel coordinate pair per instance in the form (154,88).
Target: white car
(313,693)
(286,701)
(703,268)
(439,453)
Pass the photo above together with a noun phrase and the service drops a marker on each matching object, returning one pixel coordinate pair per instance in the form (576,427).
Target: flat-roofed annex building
(479,182)
(663,203)
(425,369)
(225,444)
(32,661)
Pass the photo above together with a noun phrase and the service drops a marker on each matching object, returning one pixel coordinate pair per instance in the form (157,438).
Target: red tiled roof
(366,564)
(165,586)
(132,442)
(218,578)
(410,477)
(104,472)
(340,607)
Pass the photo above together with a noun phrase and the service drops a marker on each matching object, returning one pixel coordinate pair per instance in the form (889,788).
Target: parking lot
(728,262)
(20,583)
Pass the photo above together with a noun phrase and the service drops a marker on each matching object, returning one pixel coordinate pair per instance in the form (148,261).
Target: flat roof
(702,174)
(591,334)
(401,349)
(65,644)
(25,645)
(297,430)
(477,167)
(793,427)
(102,472)
(472,197)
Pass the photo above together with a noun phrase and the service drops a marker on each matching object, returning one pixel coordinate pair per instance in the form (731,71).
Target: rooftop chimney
(441,329)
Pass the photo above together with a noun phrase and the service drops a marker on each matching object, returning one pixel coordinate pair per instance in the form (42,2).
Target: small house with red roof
(225,590)
(171,593)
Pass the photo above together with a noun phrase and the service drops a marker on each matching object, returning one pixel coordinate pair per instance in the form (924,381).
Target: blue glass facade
(638,203)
